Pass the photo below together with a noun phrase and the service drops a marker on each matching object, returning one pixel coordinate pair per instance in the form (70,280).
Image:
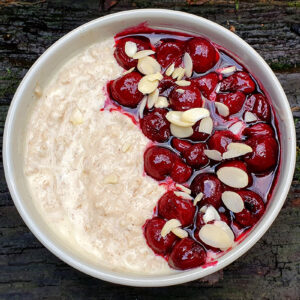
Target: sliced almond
(206,125)
(218,86)
(169,226)
(233,201)
(147,86)
(228,70)
(170,69)
(213,154)
(183,82)
(174,117)
(181,132)
(178,73)
(126,147)
(148,65)
(250,117)
(152,98)
(193,115)
(198,198)
(143,53)
(128,71)
(76,117)
(183,195)
(236,150)
(223,225)
(142,106)
(237,128)
(180,91)
(203,208)
(155,76)
(188,64)
(183,188)
(233,176)
(38,91)
(211,214)
(223,109)
(130,48)
(161,102)
(216,236)
(111,179)
(181,233)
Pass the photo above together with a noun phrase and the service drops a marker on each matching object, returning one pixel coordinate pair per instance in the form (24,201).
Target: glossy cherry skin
(187,254)
(158,162)
(171,206)
(198,136)
(207,84)
(180,145)
(210,186)
(220,140)
(191,98)
(264,156)
(170,51)
(258,104)
(122,58)
(254,208)
(234,101)
(259,130)
(152,232)
(155,126)
(166,85)
(239,81)
(203,54)
(125,91)
(180,172)
(195,156)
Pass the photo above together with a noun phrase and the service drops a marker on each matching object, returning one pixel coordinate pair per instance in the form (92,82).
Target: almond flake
(174,117)
(76,117)
(213,154)
(236,128)
(193,115)
(183,83)
(155,76)
(180,91)
(183,195)
(250,117)
(126,147)
(178,73)
(233,177)
(147,86)
(169,226)
(152,98)
(198,198)
(181,132)
(227,70)
(170,69)
(203,209)
(183,188)
(188,64)
(223,225)
(111,179)
(128,71)
(211,214)
(218,86)
(181,233)
(233,201)
(206,125)
(148,65)
(161,102)
(236,150)
(38,91)
(142,106)
(142,54)
(216,236)
(223,109)
(130,49)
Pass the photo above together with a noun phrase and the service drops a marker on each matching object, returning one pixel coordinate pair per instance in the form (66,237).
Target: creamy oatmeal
(85,166)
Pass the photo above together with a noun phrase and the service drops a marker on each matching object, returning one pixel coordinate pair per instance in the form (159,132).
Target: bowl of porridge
(149,148)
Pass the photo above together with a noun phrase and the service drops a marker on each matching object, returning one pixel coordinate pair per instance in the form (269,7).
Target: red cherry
(203,54)
(258,104)
(125,91)
(264,156)
(210,186)
(239,81)
(180,172)
(180,145)
(166,85)
(169,52)
(254,208)
(259,130)
(220,140)
(195,156)
(234,101)
(187,254)
(206,84)
(199,222)
(191,98)
(171,206)
(122,58)
(198,136)
(152,232)
(155,126)
(225,218)
(158,162)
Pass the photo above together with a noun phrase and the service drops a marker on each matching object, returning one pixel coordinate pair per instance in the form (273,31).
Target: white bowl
(93,32)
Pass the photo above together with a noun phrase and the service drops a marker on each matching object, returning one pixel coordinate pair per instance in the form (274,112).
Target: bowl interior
(96,31)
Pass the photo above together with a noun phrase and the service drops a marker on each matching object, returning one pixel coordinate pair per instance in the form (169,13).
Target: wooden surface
(270,270)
